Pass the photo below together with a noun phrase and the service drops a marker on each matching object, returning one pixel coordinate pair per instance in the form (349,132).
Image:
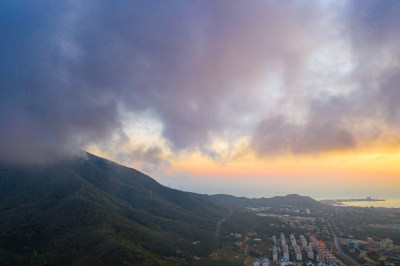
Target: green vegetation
(361,223)
(93,211)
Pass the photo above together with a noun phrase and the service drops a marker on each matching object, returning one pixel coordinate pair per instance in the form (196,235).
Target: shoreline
(387,203)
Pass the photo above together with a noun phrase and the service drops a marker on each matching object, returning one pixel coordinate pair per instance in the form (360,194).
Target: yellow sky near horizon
(357,164)
(339,174)
(364,167)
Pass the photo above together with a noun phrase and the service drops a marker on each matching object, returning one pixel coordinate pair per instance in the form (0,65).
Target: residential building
(386,243)
(274,253)
(256,262)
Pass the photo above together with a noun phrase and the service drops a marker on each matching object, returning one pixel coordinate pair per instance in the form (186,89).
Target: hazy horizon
(269,187)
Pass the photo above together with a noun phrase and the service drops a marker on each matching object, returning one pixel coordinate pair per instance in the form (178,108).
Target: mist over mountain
(90,210)
(73,70)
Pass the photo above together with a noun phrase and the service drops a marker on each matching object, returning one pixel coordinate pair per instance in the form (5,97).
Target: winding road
(218,229)
(340,251)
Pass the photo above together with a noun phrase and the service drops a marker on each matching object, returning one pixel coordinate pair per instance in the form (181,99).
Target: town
(335,235)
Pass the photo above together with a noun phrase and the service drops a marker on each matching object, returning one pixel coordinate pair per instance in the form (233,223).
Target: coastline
(386,203)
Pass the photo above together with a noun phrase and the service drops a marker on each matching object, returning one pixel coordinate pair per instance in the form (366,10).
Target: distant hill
(288,200)
(93,211)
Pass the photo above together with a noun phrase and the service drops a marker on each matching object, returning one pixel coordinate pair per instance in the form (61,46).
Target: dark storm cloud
(43,108)
(68,69)
(68,66)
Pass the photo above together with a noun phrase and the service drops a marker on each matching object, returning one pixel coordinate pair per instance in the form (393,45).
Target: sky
(252,98)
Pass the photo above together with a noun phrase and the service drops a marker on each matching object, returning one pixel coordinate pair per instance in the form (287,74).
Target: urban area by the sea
(337,234)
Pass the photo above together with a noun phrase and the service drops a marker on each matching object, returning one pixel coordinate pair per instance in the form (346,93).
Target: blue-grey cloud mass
(68,68)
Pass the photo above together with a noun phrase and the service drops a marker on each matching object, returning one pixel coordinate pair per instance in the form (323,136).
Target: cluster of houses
(265,262)
(323,257)
(323,253)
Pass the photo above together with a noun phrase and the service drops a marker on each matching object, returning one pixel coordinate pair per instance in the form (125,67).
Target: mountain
(288,200)
(89,210)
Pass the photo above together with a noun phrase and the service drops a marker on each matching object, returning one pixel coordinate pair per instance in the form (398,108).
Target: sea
(389,203)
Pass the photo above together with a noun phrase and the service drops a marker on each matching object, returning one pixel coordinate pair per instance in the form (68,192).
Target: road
(340,251)
(247,239)
(218,228)
(217,232)
(249,259)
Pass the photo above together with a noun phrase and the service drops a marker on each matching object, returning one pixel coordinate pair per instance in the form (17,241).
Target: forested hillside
(91,210)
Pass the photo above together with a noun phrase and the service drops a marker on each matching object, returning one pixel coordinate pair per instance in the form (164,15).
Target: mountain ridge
(93,211)
(294,200)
